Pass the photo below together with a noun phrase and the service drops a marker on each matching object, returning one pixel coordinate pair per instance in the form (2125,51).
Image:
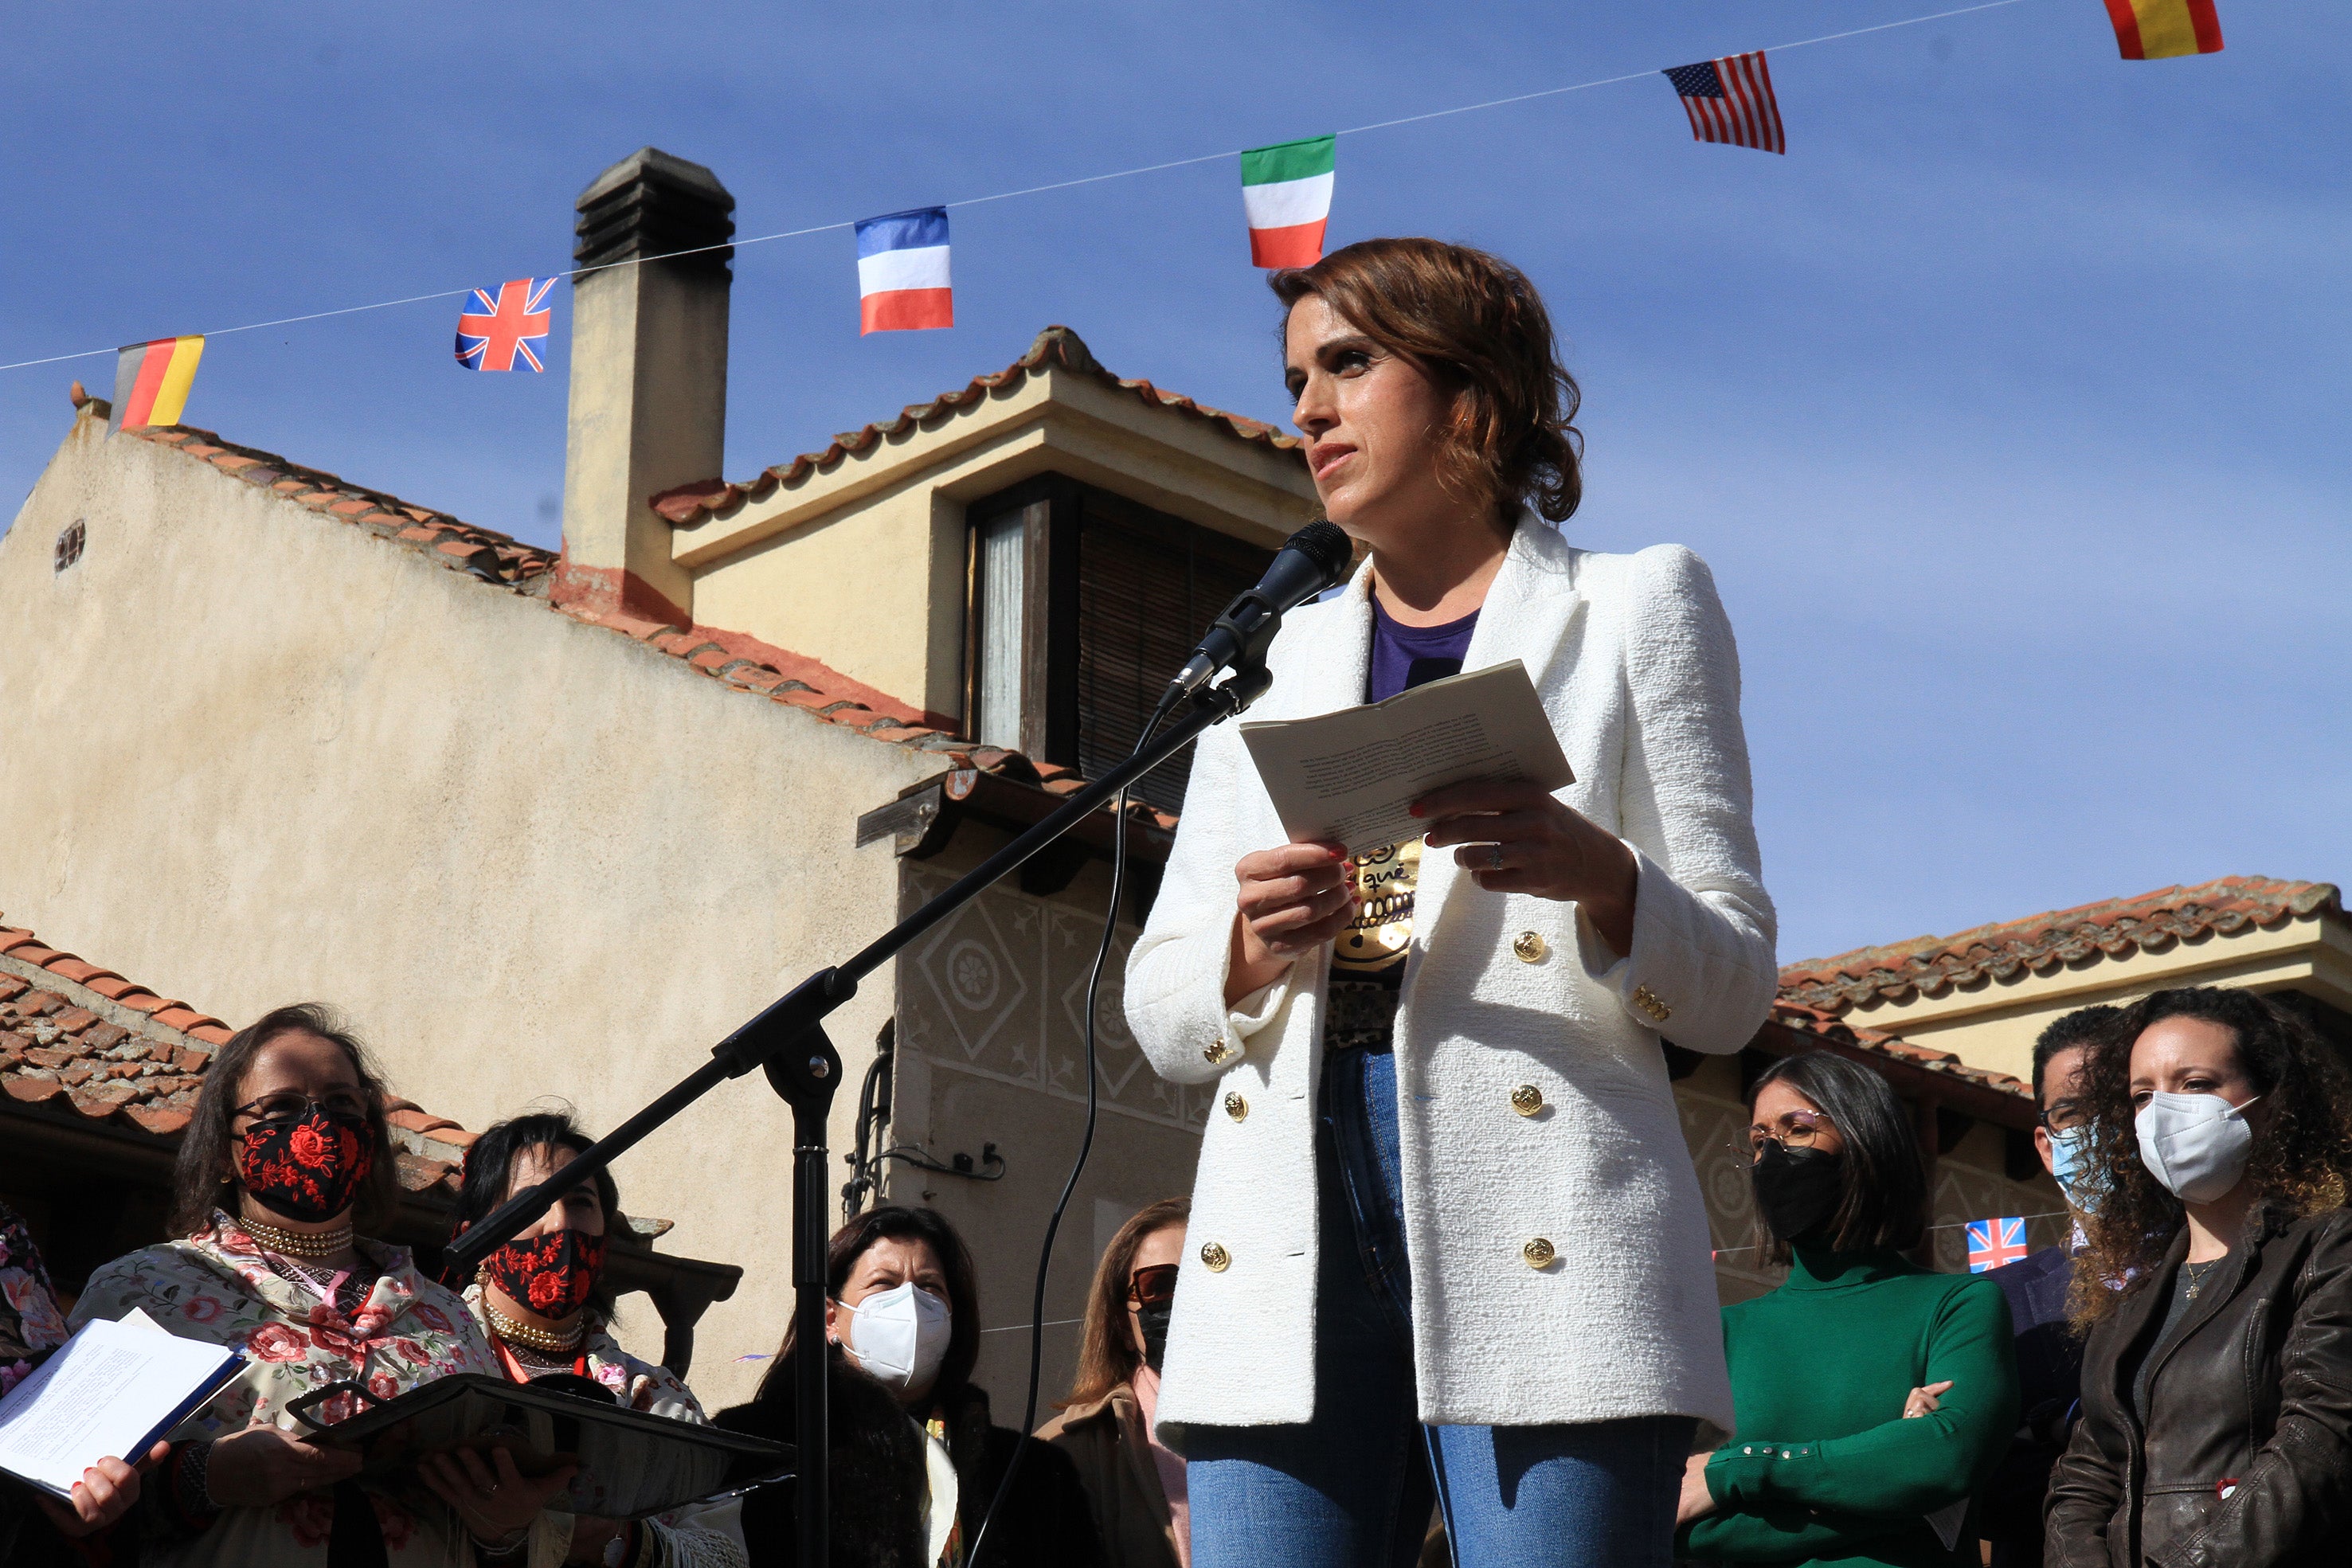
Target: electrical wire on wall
(874,1114)
(1085,1142)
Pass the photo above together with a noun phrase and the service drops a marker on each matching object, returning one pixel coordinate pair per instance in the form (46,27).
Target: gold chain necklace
(2198,1273)
(297,1243)
(522,1334)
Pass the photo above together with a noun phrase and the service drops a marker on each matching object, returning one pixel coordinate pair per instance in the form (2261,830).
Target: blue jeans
(1353,1487)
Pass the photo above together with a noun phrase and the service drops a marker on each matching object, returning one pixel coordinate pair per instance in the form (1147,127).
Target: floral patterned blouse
(30,1324)
(219,1286)
(703,1535)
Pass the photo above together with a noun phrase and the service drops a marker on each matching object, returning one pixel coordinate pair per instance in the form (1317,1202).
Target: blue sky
(2010,406)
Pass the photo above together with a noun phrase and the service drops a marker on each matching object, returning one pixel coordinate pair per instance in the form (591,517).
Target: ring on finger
(1494,857)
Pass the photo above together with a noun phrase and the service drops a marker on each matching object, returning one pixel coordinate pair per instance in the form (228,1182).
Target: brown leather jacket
(1107,1441)
(2254,1398)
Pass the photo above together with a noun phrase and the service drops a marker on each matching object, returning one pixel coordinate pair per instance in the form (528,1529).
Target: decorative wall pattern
(999,991)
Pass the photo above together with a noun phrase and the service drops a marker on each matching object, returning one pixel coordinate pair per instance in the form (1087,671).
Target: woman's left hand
(1523,841)
(1926,1401)
(104,1494)
(1698,1502)
(495,1504)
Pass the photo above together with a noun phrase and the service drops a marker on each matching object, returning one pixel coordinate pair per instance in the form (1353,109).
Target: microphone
(1310,560)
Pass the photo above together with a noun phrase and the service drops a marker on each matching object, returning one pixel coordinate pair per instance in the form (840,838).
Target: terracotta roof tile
(1928,965)
(106,1050)
(1815,1020)
(1055,348)
(475,550)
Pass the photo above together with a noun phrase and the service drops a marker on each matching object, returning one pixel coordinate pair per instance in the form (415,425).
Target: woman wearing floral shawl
(542,1301)
(289,1149)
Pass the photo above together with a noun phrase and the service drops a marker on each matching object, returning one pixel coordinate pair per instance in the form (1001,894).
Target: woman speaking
(1446,1227)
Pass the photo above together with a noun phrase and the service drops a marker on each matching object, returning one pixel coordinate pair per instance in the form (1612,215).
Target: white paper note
(1350,777)
(104,1394)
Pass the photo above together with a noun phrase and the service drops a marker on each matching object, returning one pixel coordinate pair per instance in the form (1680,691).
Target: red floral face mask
(307,1168)
(553,1275)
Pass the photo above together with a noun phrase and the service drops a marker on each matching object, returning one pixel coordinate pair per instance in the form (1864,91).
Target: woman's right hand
(1292,900)
(262,1466)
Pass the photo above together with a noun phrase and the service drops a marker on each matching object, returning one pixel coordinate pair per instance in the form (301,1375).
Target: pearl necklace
(297,1243)
(525,1334)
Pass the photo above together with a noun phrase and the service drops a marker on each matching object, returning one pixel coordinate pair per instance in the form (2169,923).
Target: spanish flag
(152,382)
(2159,29)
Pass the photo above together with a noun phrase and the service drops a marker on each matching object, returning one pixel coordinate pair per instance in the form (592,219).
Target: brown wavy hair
(2301,1164)
(1475,325)
(1106,1353)
(203,1177)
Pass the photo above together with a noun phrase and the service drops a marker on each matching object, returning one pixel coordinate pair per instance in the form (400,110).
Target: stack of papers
(109,1392)
(1350,777)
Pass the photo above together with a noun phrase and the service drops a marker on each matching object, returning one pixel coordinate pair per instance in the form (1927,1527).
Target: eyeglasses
(1795,1130)
(341,1106)
(1152,1286)
(2064,1115)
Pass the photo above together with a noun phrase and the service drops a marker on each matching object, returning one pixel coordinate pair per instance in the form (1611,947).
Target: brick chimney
(648,379)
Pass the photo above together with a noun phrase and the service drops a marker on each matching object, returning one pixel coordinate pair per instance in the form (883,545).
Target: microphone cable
(1085,1142)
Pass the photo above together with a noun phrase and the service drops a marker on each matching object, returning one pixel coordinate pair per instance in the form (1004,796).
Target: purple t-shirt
(1407,656)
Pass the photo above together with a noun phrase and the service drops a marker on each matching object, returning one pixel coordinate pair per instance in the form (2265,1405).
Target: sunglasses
(1152,1286)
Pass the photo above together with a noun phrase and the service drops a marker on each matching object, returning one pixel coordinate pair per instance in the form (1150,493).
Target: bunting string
(1140,170)
(1954,1225)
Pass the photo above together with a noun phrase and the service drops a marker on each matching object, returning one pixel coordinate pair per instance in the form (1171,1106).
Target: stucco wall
(254,755)
(874,590)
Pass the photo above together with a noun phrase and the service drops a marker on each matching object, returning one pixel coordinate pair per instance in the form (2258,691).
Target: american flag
(1993,1242)
(502,326)
(1731,100)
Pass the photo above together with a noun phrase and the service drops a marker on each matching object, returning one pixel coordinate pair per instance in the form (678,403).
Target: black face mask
(1796,1189)
(1153,1320)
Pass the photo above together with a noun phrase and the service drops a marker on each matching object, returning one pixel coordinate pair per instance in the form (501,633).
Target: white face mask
(900,1336)
(2196,1145)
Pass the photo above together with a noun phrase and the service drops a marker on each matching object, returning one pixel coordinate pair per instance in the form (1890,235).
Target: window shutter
(1147,587)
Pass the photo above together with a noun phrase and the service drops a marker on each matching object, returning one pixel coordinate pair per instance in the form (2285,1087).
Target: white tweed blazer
(1561,1262)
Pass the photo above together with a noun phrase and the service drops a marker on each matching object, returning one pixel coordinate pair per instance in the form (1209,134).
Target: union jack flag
(498,328)
(1993,1242)
(1731,100)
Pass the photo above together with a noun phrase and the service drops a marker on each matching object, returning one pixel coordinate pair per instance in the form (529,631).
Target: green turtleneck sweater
(1824,1467)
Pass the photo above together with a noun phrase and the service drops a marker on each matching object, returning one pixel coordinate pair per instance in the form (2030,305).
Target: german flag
(152,382)
(2160,29)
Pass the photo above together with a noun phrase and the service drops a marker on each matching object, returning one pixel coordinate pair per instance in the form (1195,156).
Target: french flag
(902,272)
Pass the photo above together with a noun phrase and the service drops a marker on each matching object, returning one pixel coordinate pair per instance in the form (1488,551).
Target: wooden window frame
(1054,505)
(1057,508)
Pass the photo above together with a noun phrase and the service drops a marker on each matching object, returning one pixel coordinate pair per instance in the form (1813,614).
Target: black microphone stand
(787,1041)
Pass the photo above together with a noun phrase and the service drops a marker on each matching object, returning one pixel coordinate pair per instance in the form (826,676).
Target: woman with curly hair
(2217,1293)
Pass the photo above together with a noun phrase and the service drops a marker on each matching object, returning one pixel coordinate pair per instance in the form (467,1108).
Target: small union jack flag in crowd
(1993,1242)
(499,328)
(1731,100)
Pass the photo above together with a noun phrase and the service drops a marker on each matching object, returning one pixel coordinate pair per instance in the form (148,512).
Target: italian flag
(1286,193)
